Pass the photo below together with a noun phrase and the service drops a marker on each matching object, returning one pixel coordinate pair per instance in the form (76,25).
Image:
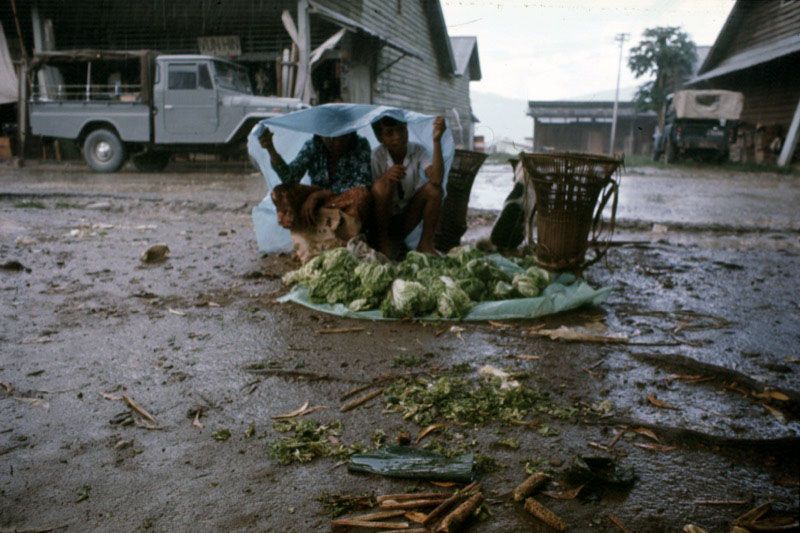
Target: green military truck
(699,123)
(140,104)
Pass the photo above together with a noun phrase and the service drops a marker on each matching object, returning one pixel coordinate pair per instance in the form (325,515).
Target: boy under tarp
(330,120)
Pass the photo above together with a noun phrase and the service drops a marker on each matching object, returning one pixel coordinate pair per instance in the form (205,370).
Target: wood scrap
(139,409)
(353,392)
(360,400)
(449,502)
(658,403)
(372,517)
(339,330)
(411,504)
(452,521)
(571,335)
(301,411)
(618,523)
(616,438)
(423,433)
(753,514)
(367,523)
(544,514)
(411,496)
(721,502)
(415,516)
(533,482)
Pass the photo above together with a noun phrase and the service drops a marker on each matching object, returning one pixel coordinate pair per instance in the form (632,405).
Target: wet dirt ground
(707,299)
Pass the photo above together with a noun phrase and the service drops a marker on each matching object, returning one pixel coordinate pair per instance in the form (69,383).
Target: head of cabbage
(407,299)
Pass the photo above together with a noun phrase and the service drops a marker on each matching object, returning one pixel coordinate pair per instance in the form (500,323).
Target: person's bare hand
(266,138)
(394,173)
(439,127)
(308,212)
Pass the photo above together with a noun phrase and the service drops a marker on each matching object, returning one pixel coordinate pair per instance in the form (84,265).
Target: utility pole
(621,38)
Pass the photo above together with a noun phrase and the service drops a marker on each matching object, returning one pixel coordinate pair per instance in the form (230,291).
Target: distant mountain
(626,94)
(501,117)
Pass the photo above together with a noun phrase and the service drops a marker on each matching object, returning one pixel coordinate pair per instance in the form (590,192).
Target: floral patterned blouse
(352,170)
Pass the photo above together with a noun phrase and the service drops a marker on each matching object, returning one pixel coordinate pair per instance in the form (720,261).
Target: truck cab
(209,100)
(157,105)
(699,123)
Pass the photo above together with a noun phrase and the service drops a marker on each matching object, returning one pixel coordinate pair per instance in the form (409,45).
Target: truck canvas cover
(708,104)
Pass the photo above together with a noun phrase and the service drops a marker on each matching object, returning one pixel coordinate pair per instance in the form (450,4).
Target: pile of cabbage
(420,285)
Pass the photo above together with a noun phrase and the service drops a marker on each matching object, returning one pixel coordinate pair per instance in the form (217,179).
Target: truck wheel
(669,153)
(103,151)
(151,161)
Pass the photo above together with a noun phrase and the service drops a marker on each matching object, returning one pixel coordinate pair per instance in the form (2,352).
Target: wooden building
(387,52)
(757,52)
(586,127)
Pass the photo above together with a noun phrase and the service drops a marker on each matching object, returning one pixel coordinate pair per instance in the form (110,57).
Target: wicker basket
(568,215)
(453,217)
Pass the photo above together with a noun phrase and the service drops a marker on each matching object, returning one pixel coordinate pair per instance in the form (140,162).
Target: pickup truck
(699,123)
(147,106)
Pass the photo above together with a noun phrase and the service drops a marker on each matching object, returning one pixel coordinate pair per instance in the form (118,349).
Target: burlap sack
(333,229)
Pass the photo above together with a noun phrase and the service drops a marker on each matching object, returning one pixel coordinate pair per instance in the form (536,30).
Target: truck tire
(151,161)
(669,152)
(103,151)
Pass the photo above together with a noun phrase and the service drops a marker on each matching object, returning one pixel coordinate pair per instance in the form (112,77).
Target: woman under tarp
(290,133)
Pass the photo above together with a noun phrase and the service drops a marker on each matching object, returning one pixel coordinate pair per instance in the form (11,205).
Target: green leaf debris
(424,401)
(308,439)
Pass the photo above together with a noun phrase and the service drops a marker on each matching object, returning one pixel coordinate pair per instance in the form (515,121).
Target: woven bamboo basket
(453,217)
(572,190)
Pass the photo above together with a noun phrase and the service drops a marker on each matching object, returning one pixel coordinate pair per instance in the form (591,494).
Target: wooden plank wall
(411,83)
(771,92)
(764,22)
(633,137)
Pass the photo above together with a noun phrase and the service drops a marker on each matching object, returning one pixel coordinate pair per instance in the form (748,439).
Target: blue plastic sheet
(330,120)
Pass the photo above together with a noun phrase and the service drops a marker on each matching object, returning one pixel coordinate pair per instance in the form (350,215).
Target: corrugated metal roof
(751,58)
(441,38)
(702,54)
(571,109)
(465,53)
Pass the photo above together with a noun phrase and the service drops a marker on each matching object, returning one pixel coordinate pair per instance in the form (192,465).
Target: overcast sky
(556,49)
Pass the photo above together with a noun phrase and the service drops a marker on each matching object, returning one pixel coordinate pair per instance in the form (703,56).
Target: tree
(668,54)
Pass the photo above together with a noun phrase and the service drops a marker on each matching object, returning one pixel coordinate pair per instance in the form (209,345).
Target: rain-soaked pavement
(703,272)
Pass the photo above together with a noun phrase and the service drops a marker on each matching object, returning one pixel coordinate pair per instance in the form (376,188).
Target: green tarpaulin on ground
(565,293)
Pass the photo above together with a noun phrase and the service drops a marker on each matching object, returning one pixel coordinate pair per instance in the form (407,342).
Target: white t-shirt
(416,161)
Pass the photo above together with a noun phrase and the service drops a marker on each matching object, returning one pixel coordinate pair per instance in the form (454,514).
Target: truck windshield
(232,76)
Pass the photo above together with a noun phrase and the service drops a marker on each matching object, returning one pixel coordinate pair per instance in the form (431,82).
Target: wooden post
(790,143)
(22,108)
(304,49)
